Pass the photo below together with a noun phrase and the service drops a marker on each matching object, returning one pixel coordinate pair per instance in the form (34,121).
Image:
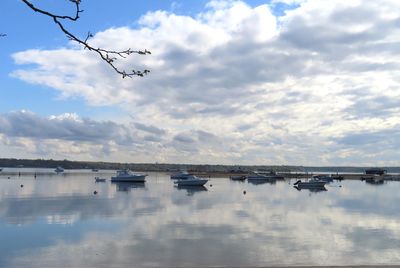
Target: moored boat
(238,177)
(191,181)
(375,171)
(126,175)
(256,176)
(59,169)
(271,175)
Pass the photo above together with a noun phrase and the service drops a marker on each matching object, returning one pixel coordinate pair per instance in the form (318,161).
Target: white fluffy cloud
(294,89)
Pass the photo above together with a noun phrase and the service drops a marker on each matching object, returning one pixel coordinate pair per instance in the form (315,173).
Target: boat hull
(179,177)
(138,178)
(189,182)
(238,178)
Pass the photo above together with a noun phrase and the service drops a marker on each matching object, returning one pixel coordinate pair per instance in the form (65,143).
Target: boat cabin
(375,171)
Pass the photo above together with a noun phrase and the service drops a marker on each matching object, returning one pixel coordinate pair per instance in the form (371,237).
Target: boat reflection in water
(311,189)
(313,185)
(375,181)
(261,181)
(191,190)
(127,186)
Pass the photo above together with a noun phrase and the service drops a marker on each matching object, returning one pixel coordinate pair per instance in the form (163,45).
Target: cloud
(318,71)
(64,127)
(150,129)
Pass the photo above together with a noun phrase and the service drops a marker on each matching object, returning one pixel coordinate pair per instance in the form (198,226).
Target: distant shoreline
(165,167)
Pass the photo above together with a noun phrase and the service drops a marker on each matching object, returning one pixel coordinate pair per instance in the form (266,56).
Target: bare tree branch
(109,56)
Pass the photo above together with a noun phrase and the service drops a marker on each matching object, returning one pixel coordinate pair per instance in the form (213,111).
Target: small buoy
(9,178)
(22,185)
(95,192)
(244,192)
(210,185)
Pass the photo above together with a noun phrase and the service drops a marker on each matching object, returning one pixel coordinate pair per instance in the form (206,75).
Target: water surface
(57,220)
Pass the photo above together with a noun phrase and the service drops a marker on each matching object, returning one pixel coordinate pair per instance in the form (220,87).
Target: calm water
(56,220)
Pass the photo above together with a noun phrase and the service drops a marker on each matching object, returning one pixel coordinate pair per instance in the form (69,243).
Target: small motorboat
(191,181)
(59,169)
(98,179)
(126,175)
(238,177)
(95,170)
(255,177)
(271,175)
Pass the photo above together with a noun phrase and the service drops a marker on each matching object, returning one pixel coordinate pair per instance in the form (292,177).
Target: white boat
(191,180)
(59,169)
(256,176)
(98,179)
(271,175)
(181,175)
(312,183)
(126,175)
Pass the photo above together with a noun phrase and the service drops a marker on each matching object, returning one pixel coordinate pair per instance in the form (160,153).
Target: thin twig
(108,56)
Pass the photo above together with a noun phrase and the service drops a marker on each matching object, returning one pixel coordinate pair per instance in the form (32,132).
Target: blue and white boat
(126,175)
(258,176)
(238,177)
(191,180)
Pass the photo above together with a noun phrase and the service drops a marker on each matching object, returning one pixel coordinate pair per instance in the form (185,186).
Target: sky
(278,82)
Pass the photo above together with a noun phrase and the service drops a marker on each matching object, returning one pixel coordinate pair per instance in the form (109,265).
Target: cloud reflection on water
(161,225)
